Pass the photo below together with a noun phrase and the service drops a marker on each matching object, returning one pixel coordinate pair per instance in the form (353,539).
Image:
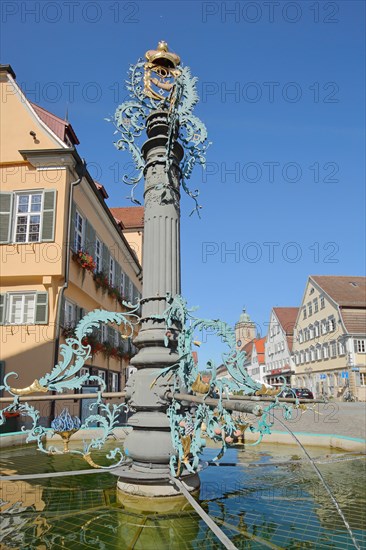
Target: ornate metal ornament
(189,433)
(66,376)
(161,83)
(160,72)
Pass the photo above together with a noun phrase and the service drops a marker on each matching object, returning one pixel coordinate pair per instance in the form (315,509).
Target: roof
(287,318)
(62,128)
(244,317)
(259,346)
(345,291)
(101,189)
(132,217)
(354,320)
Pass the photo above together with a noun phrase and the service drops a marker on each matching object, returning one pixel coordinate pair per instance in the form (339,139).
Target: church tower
(245,330)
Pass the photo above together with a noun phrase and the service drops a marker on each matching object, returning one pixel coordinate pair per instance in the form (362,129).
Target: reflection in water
(258,504)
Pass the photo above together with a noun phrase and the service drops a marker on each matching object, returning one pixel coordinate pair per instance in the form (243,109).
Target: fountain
(176,414)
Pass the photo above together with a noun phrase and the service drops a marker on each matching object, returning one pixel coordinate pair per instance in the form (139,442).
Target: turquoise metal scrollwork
(66,376)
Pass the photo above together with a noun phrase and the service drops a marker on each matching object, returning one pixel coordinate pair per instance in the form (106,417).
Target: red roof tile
(345,291)
(61,128)
(132,217)
(287,318)
(354,320)
(259,346)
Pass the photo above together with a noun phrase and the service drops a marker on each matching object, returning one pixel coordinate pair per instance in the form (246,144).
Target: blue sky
(284,187)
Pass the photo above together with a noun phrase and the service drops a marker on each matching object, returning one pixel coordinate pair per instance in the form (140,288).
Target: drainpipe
(73,184)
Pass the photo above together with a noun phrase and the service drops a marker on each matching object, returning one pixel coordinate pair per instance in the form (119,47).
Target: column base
(145,489)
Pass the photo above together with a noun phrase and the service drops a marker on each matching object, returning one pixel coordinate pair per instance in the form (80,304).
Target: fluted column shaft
(149,444)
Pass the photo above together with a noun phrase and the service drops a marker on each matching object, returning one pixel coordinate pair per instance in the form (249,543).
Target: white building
(278,345)
(255,361)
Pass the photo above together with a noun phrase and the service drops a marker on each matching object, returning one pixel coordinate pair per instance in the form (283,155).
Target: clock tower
(245,330)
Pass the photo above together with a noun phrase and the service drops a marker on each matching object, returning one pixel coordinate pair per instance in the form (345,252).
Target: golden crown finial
(162,56)
(163,46)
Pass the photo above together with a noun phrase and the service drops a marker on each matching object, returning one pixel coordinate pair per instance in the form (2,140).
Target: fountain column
(149,444)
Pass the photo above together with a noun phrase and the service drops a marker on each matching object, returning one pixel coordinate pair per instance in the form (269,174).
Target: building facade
(255,359)
(63,253)
(329,349)
(278,346)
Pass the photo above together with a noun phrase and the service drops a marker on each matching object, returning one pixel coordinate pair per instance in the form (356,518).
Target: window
(360,346)
(318,353)
(307,356)
(116,338)
(27,216)
(310,309)
(101,374)
(363,378)
(301,357)
(316,330)
(21,309)
(130,290)
(333,349)
(312,354)
(98,255)
(104,333)
(304,312)
(331,324)
(324,327)
(301,337)
(69,314)
(28,209)
(341,347)
(325,351)
(111,271)
(79,231)
(26,308)
(311,332)
(322,302)
(316,305)
(84,372)
(114,381)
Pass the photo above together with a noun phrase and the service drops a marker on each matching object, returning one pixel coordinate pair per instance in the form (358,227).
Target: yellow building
(53,216)
(329,348)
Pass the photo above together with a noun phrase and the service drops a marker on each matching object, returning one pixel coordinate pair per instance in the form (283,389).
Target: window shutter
(48,222)
(90,234)
(135,295)
(105,260)
(72,226)
(2,308)
(2,375)
(6,204)
(117,275)
(41,308)
(127,287)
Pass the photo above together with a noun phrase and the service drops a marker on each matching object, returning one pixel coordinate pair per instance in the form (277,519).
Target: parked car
(301,393)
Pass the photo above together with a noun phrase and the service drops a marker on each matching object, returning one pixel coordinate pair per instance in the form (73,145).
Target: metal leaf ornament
(161,83)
